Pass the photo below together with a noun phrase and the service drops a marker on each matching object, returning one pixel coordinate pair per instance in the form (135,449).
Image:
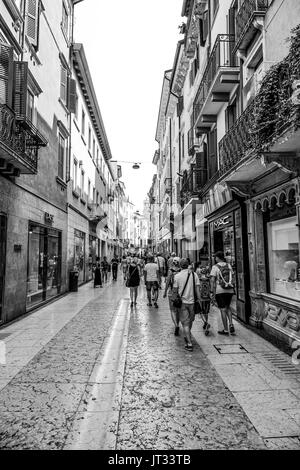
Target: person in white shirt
(222,290)
(187,285)
(160,260)
(152,280)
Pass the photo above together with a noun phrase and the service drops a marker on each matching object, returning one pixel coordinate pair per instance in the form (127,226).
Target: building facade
(233,150)
(35,41)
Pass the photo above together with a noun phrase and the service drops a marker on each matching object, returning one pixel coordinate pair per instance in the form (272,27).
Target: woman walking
(203,273)
(97,274)
(173,269)
(133,280)
(222,290)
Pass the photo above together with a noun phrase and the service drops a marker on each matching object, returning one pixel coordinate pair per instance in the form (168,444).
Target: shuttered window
(6,70)
(61,155)
(20,94)
(203,26)
(65,21)
(212,153)
(63,83)
(32,21)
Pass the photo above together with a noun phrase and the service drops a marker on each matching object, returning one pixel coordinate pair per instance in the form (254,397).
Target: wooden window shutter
(20,83)
(72,95)
(32,20)
(6,74)
(63,83)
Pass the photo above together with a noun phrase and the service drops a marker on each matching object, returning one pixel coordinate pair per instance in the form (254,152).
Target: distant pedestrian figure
(203,273)
(133,280)
(114,267)
(124,267)
(97,274)
(104,268)
(222,290)
(152,281)
(174,269)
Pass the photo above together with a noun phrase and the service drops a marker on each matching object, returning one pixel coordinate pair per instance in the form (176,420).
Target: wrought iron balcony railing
(221,56)
(19,141)
(237,141)
(245,15)
(192,184)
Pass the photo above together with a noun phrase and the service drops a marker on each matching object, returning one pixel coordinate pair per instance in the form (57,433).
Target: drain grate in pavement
(230,349)
(282,363)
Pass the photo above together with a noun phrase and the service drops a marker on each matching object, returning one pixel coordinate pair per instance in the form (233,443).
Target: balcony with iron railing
(19,144)
(192,184)
(250,13)
(221,75)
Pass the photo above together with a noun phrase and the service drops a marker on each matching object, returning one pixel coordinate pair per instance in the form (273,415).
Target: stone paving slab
(44,396)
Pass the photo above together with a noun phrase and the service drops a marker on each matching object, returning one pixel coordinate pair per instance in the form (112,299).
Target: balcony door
(3,232)
(212,153)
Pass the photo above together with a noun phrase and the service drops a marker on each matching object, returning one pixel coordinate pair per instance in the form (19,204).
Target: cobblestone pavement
(111,377)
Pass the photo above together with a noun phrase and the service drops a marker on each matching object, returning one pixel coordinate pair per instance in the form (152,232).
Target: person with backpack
(186,290)
(203,273)
(222,290)
(174,269)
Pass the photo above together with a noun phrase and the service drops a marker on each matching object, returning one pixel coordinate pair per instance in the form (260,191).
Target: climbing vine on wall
(273,110)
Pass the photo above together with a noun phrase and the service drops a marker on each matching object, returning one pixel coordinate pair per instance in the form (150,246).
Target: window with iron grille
(61,155)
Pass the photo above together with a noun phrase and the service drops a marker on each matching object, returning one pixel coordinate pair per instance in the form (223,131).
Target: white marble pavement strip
(269,397)
(23,339)
(95,424)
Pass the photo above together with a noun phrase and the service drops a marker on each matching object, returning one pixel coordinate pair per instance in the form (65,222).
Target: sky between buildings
(129,44)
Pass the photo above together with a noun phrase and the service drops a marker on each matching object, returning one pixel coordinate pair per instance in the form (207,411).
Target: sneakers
(155,305)
(188,347)
(231,329)
(223,332)
(149,304)
(176,332)
(204,325)
(207,329)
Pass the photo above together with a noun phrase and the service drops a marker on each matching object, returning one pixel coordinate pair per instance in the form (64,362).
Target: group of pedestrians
(102,268)
(191,288)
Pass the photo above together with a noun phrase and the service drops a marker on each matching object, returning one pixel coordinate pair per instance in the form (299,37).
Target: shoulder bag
(177,302)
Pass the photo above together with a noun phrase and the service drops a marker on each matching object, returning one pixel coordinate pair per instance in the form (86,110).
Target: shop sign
(223,222)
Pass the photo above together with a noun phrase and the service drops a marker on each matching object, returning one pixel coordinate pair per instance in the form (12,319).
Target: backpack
(225,276)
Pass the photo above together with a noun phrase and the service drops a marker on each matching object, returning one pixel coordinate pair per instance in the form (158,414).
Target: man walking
(104,268)
(222,291)
(187,285)
(152,281)
(114,268)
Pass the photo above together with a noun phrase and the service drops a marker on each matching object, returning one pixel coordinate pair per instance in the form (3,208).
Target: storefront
(275,261)
(44,264)
(227,231)
(3,231)
(79,255)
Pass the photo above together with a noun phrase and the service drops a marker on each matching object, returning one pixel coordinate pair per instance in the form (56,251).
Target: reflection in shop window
(284,267)
(79,255)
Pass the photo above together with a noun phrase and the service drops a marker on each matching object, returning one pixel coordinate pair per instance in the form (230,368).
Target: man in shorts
(152,280)
(184,286)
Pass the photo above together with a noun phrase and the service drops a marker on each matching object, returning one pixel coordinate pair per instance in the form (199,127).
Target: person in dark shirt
(114,267)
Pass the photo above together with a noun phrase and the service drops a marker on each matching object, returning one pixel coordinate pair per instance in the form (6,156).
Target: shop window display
(284,266)
(79,255)
(44,264)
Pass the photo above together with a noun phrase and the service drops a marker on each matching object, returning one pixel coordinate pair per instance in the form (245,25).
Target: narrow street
(89,372)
